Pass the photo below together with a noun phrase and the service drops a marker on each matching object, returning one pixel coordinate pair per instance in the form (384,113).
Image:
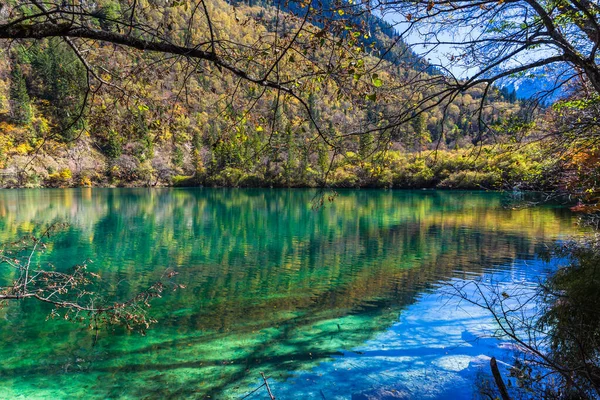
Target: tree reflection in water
(272,285)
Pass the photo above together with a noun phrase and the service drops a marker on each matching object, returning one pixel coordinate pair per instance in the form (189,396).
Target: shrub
(253,180)
(124,169)
(85,181)
(184,181)
(228,177)
(471,180)
(420,174)
(345,177)
(60,178)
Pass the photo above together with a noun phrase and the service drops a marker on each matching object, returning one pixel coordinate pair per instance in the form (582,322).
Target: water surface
(330,303)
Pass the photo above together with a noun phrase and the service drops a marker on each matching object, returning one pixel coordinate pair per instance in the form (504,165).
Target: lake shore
(473,169)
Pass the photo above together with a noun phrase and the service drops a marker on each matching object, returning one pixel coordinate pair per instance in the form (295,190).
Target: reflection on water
(272,285)
(440,348)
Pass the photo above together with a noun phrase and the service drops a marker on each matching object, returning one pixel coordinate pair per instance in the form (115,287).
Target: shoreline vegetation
(500,167)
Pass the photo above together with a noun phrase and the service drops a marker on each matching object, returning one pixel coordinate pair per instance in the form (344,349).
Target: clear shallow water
(330,303)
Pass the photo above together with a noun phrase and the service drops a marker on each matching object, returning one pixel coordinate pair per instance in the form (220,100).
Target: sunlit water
(342,302)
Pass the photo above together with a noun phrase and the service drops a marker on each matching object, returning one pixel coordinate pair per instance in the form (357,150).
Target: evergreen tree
(422,135)
(291,163)
(365,145)
(20,102)
(61,81)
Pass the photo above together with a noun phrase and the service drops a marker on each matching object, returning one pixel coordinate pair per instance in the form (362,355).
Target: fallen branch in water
(498,379)
(264,384)
(267,385)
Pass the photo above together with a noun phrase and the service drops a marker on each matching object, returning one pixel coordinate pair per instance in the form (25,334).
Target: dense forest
(156,123)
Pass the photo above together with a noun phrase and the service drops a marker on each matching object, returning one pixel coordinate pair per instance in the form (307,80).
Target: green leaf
(371,97)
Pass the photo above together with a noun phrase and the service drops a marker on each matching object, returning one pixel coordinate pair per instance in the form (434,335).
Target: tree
(19,98)
(492,42)
(74,293)
(497,39)
(421,135)
(60,81)
(325,50)
(555,325)
(86,27)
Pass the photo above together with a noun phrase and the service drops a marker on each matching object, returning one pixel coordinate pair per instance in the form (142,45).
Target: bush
(345,177)
(184,181)
(471,180)
(252,180)
(60,178)
(85,181)
(125,169)
(420,174)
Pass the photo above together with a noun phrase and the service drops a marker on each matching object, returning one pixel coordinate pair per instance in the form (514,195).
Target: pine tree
(365,145)
(422,135)
(20,102)
(63,83)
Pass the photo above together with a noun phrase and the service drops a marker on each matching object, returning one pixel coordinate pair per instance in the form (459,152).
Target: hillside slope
(161,121)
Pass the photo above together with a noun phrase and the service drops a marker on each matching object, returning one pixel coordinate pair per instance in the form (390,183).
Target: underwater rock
(383,394)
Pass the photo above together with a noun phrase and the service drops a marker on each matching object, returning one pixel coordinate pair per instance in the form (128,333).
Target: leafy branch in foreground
(73,293)
(554,326)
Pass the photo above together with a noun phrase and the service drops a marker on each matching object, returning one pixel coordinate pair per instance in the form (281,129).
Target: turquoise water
(331,303)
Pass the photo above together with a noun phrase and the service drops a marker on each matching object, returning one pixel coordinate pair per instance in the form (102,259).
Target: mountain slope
(161,118)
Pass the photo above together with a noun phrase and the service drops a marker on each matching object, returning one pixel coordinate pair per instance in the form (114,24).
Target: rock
(383,394)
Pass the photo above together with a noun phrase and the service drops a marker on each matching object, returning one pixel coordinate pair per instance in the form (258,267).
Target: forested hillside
(300,93)
(158,120)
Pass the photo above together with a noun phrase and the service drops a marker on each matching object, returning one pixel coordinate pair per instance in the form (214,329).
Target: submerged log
(498,379)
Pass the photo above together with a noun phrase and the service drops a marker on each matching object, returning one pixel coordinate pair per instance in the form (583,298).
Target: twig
(252,392)
(267,385)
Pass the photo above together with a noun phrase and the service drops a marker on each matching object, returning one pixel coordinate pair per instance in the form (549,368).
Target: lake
(340,302)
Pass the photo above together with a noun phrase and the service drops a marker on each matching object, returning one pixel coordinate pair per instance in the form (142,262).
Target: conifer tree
(20,102)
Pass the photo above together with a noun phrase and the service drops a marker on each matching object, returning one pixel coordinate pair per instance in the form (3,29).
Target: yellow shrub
(66,174)
(85,182)
(60,178)
(23,149)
